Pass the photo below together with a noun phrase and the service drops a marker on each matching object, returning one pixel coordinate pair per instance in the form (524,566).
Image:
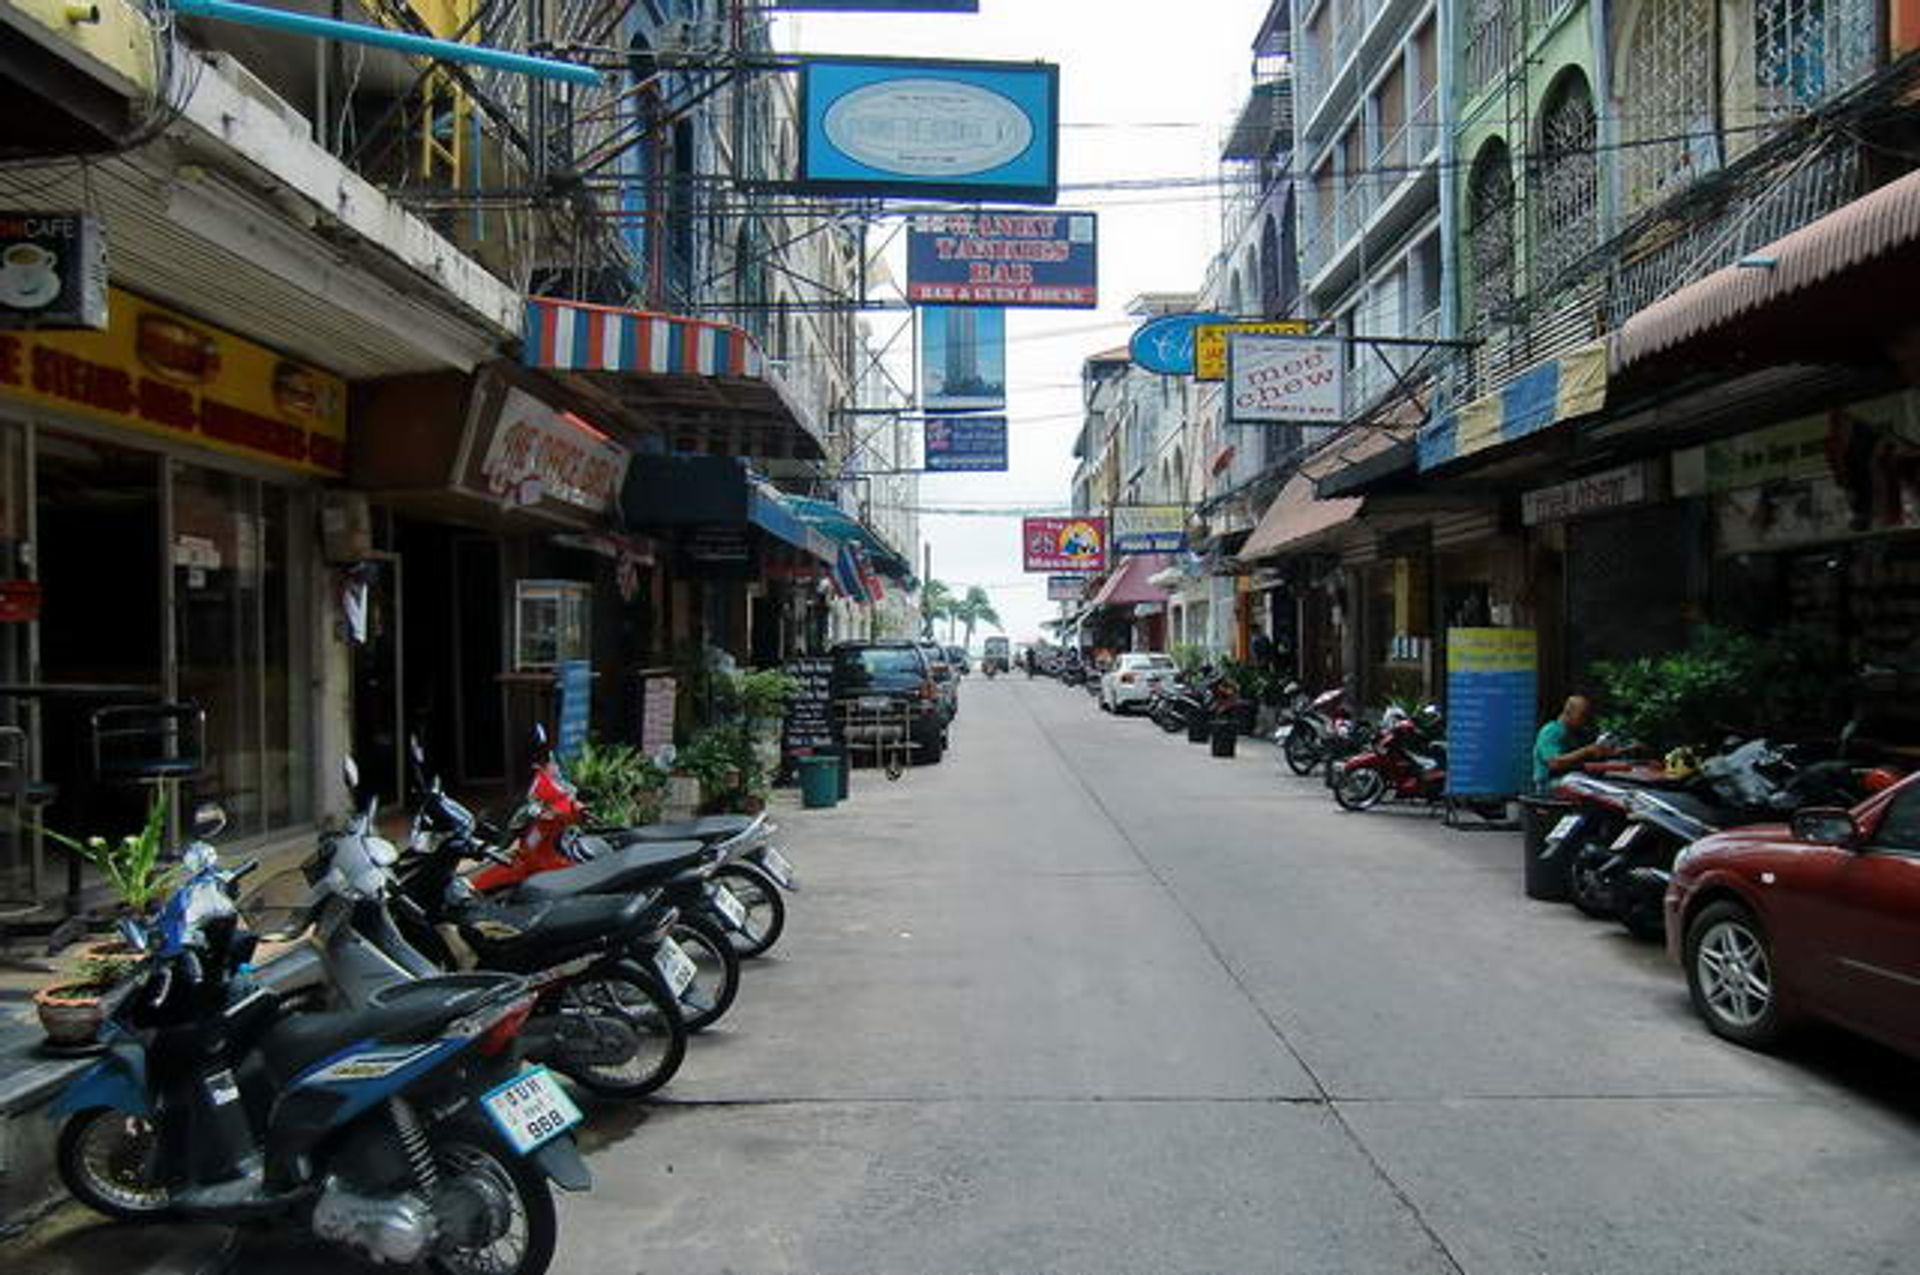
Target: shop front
(159,485)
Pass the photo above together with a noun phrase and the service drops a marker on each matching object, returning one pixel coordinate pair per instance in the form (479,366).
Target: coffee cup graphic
(27,278)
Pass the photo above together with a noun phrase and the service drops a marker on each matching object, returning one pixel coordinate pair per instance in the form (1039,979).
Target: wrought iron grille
(1489,31)
(1566,178)
(1490,232)
(1668,100)
(1805,51)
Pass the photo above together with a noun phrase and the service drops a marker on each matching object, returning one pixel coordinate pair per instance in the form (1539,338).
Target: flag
(847,574)
(869,578)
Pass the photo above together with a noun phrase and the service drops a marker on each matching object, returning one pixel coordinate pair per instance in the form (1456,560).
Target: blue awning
(773,512)
(1575,384)
(831,520)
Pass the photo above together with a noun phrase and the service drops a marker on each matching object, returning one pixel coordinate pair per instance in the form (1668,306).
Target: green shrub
(618,784)
(1724,683)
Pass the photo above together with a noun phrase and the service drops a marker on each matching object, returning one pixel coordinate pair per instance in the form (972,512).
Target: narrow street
(1083,998)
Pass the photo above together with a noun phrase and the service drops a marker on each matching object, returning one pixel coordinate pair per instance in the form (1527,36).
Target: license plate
(777,867)
(675,966)
(1564,829)
(531,1110)
(730,906)
(1627,838)
(874,703)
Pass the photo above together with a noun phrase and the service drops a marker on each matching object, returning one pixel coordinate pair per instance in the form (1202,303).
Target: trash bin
(1226,736)
(1545,868)
(1199,730)
(845,761)
(819,782)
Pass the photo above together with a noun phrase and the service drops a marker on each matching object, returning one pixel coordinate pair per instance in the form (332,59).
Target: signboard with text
(1595,493)
(963,358)
(1066,588)
(966,444)
(1492,677)
(808,727)
(1210,343)
(1166,344)
(1064,544)
(53,271)
(1149,528)
(538,452)
(1004,258)
(1274,380)
(574,679)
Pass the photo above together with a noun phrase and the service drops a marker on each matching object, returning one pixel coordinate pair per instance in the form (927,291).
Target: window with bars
(1805,51)
(1566,179)
(1490,231)
(1488,31)
(1668,102)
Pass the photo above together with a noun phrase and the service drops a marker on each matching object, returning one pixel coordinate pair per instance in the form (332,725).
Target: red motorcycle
(1408,761)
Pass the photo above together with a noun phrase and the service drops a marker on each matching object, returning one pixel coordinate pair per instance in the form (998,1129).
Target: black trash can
(1226,736)
(1545,875)
(1198,731)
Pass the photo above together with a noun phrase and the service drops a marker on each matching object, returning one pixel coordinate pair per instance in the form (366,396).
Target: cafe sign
(53,271)
(538,452)
(161,373)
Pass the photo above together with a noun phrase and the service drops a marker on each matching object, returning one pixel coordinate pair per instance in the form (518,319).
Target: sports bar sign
(1033,260)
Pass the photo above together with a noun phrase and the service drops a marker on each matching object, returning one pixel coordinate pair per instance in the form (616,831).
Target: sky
(1147,91)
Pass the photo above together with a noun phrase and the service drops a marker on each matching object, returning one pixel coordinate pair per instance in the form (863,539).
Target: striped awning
(707,385)
(1574,384)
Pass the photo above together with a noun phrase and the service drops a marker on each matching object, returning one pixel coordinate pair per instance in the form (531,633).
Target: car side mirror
(1825,826)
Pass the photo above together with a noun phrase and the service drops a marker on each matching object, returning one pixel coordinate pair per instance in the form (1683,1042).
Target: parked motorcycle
(1312,727)
(1407,761)
(405,1132)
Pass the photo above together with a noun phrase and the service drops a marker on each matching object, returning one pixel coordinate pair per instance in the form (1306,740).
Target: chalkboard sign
(809,728)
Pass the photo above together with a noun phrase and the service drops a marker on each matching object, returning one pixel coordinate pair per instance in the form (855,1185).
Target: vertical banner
(963,358)
(1492,677)
(575,681)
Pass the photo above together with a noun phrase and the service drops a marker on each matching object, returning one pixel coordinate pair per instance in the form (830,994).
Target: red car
(1819,918)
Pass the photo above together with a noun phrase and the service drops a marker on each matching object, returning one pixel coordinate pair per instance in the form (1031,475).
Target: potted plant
(70,1009)
(618,784)
(732,778)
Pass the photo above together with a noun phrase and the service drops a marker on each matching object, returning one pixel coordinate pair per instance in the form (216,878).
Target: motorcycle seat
(404,1012)
(1712,813)
(525,937)
(708,828)
(636,868)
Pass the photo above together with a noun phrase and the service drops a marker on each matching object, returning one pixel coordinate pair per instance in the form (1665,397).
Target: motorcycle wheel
(477,1159)
(107,1160)
(1359,789)
(1589,891)
(766,908)
(637,999)
(717,980)
(1302,753)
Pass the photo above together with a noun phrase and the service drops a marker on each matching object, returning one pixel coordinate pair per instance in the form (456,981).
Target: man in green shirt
(1565,742)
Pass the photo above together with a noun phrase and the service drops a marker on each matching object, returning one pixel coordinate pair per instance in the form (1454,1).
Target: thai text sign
(1004,258)
(539,452)
(1064,544)
(1283,379)
(924,129)
(1210,343)
(1149,528)
(1491,693)
(1066,588)
(1596,493)
(966,444)
(158,372)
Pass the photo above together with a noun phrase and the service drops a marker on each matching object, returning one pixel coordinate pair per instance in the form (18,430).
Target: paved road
(1084,999)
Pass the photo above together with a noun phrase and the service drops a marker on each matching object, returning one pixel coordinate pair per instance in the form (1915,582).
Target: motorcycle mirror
(133,934)
(350,772)
(209,820)
(416,750)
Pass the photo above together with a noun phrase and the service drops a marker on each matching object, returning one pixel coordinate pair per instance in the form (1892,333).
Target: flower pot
(70,1013)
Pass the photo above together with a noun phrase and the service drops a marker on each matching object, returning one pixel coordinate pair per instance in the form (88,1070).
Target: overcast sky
(1147,90)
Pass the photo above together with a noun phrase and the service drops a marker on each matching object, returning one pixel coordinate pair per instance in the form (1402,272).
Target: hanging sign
(966,444)
(1149,528)
(922,129)
(1491,691)
(1596,493)
(1166,344)
(1064,544)
(1285,379)
(53,271)
(537,452)
(1066,588)
(1210,343)
(1004,258)
(963,358)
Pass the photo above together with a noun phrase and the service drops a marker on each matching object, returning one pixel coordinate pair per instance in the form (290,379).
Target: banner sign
(1274,380)
(53,271)
(1210,343)
(158,372)
(574,680)
(1492,677)
(1166,344)
(1066,588)
(966,444)
(1596,493)
(538,452)
(1065,544)
(963,358)
(1149,528)
(919,129)
(1004,258)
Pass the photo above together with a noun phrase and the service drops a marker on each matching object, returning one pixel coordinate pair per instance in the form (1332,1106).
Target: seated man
(1565,743)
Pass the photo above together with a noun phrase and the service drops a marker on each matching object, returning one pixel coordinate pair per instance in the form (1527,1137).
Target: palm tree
(936,603)
(974,609)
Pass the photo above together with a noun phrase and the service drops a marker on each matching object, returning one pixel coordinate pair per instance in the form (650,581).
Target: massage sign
(158,372)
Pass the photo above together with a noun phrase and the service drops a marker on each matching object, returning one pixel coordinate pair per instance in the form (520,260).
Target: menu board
(656,713)
(1491,692)
(809,726)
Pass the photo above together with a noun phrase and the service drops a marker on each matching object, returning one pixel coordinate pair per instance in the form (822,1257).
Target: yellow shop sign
(166,375)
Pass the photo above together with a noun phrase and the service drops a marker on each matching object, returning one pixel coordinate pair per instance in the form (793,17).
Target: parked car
(1816,918)
(944,676)
(885,682)
(1132,680)
(957,656)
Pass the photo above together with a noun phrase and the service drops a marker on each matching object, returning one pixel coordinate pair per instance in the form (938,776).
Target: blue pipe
(384,38)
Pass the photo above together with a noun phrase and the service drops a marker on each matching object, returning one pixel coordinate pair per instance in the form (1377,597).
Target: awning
(1574,384)
(840,526)
(1132,585)
(1869,228)
(1297,515)
(772,512)
(705,384)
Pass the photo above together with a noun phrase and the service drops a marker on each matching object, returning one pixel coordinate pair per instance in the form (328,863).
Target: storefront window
(551,623)
(1398,630)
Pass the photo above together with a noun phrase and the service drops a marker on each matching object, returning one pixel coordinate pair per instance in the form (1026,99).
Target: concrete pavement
(1085,999)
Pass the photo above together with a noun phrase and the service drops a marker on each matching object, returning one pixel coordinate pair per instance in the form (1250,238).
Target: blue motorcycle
(406,1132)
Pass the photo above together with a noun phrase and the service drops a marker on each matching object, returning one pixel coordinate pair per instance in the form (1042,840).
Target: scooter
(1308,727)
(1408,761)
(404,1132)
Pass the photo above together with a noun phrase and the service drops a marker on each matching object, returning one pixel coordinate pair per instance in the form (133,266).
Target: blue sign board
(1018,258)
(1165,345)
(1492,678)
(966,444)
(927,129)
(575,678)
(963,358)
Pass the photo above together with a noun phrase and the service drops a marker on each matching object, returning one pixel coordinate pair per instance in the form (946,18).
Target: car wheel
(930,750)
(1732,978)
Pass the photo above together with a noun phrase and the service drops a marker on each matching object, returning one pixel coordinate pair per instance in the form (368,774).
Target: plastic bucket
(1226,737)
(819,782)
